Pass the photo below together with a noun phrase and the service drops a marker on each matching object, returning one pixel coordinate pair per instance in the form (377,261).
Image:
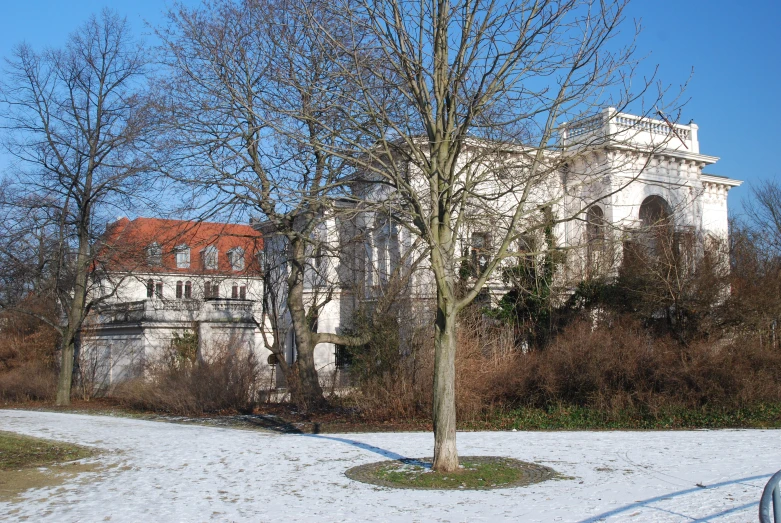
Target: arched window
(235,291)
(243,292)
(150,288)
(656,236)
(595,224)
(179,289)
(159,290)
(188,290)
(655,211)
(595,236)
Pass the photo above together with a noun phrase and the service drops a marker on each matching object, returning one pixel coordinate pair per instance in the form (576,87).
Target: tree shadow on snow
(647,502)
(364,446)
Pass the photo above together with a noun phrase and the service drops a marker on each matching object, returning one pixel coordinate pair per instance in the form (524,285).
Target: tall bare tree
(78,122)
(471,138)
(255,113)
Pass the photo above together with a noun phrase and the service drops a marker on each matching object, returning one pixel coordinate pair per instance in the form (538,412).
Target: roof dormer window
(182,257)
(154,255)
(210,258)
(236,258)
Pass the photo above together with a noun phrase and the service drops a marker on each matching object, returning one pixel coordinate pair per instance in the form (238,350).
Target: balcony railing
(610,125)
(156,309)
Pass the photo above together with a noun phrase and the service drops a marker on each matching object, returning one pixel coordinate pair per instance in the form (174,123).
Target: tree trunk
(307,392)
(445,452)
(76,310)
(66,369)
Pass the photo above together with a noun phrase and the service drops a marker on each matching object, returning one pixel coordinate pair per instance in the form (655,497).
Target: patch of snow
(156,471)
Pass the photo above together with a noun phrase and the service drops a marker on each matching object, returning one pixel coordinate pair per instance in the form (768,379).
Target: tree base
(474,473)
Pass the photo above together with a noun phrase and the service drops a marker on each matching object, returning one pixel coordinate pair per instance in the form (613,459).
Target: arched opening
(656,241)
(596,236)
(595,224)
(655,211)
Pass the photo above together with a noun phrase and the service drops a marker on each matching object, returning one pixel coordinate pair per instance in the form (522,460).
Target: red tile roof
(126,243)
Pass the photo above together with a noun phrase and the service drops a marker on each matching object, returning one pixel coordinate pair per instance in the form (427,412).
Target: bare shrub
(226,379)
(485,365)
(624,367)
(393,373)
(29,382)
(615,365)
(28,369)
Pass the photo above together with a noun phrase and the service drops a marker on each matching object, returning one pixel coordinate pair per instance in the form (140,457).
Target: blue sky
(733,49)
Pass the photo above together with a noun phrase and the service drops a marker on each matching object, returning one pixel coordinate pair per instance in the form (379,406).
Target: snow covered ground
(158,471)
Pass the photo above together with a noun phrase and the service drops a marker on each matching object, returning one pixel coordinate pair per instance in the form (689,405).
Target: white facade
(171,289)
(615,163)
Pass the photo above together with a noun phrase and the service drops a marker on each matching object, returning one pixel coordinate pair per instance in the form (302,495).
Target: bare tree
(755,251)
(764,215)
(255,113)
(464,112)
(78,123)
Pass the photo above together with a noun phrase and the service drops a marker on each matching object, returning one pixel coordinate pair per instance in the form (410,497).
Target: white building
(167,280)
(618,173)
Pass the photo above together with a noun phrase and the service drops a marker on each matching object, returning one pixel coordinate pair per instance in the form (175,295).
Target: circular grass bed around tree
(475,473)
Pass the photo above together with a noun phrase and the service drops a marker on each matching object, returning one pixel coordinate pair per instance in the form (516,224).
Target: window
(481,245)
(381,243)
(595,237)
(150,288)
(235,291)
(320,267)
(343,357)
(656,232)
(159,290)
(188,290)
(655,211)
(178,290)
(154,255)
(182,257)
(210,258)
(211,290)
(595,224)
(243,292)
(236,258)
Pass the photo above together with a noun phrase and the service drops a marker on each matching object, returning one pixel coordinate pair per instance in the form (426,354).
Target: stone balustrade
(175,310)
(627,129)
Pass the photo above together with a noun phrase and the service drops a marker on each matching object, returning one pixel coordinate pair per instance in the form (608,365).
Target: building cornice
(721,180)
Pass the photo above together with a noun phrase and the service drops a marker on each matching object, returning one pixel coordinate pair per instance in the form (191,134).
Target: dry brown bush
(28,382)
(28,369)
(396,383)
(616,366)
(227,380)
(623,366)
